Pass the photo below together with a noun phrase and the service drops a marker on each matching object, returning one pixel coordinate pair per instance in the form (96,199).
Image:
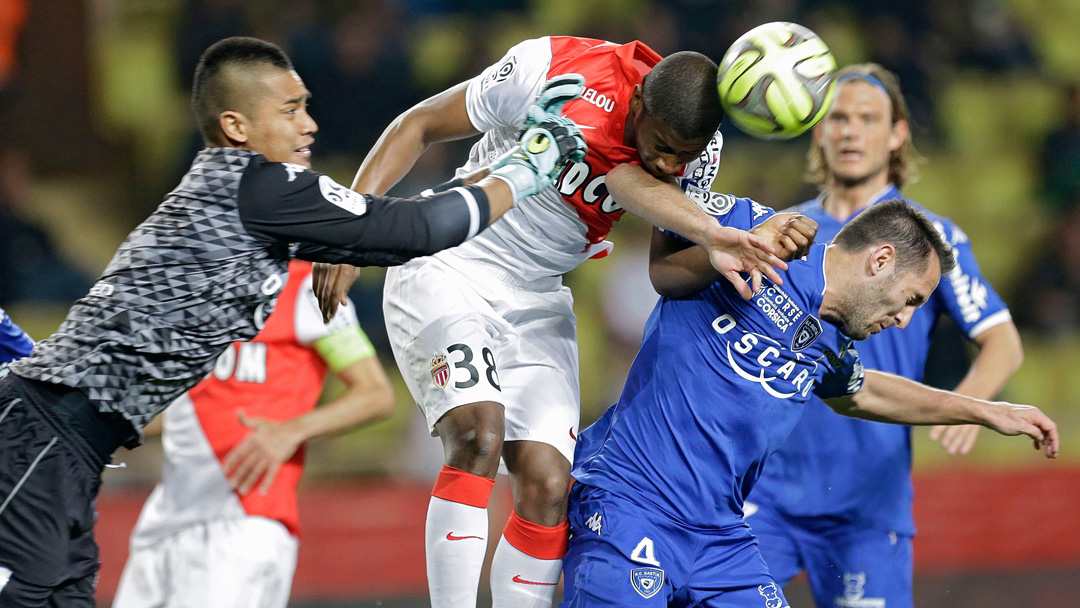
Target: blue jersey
(14,343)
(718,384)
(860,470)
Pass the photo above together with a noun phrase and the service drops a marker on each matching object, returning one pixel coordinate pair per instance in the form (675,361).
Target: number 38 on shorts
(458,365)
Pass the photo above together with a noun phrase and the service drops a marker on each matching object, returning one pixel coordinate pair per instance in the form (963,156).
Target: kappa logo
(595,522)
(808,331)
(647,581)
(293,170)
(771,595)
(759,209)
(440,370)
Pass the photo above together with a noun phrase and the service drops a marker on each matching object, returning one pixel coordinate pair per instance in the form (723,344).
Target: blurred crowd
(368,60)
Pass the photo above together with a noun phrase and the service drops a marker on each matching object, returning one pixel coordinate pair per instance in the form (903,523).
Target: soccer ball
(777,80)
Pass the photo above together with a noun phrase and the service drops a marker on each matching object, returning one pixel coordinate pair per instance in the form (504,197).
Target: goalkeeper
(202,272)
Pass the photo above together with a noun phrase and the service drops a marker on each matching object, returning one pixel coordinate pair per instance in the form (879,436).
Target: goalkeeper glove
(540,154)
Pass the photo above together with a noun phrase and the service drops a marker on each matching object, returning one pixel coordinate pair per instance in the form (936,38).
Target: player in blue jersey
(14,343)
(841,509)
(656,515)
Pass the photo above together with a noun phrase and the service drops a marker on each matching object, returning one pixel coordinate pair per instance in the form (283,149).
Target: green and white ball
(777,80)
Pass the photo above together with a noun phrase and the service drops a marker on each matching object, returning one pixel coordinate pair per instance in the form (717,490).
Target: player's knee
(473,435)
(544,486)
(552,487)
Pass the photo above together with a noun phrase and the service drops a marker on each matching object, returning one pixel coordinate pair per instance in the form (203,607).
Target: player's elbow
(662,283)
(417,123)
(1004,342)
(671,281)
(382,402)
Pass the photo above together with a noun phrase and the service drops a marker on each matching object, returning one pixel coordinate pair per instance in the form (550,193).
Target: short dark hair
(212,93)
(681,92)
(904,227)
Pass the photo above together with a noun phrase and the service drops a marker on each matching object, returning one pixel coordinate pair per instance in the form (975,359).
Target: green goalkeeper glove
(541,153)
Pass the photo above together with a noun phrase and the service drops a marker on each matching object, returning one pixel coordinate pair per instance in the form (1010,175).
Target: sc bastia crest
(808,331)
(647,581)
(440,370)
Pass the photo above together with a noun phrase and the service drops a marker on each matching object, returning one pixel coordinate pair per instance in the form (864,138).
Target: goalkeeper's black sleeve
(286,203)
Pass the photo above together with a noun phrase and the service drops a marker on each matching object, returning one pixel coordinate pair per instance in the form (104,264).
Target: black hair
(904,227)
(211,91)
(681,92)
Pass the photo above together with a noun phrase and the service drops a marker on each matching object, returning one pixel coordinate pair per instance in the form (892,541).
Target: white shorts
(470,332)
(235,563)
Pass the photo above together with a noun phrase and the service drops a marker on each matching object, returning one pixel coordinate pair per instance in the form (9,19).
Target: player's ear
(234,126)
(901,130)
(881,257)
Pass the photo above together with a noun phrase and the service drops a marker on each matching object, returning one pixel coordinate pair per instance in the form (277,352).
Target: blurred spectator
(997,41)
(12,20)
(1048,297)
(33,270)
(1061,156)
(895,48)
(358,73)
(202,23)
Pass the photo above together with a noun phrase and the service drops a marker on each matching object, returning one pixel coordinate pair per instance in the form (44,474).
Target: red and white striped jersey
(551,233)
(278,376)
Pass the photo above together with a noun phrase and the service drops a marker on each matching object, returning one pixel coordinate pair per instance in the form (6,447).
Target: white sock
(527,580)
(456,538)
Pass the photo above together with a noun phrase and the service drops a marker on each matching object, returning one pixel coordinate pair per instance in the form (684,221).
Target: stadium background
(95,130)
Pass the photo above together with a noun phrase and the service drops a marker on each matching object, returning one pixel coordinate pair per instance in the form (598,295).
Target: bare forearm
(890,398)
(351,410)
(397,150)
(678,270)
(662,204)
(439,118)
(1000,356)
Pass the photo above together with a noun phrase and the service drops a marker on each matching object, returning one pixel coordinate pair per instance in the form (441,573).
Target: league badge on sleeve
(647,581)
(808,331)
(440,370)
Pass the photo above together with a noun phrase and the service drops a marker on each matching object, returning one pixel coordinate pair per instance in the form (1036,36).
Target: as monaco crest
(808,331)
(440,370)
(647,581)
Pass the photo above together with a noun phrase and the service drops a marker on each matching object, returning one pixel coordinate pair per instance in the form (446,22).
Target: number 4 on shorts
(645,552)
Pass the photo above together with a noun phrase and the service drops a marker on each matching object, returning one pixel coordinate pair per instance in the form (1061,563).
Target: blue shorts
(621,554)
(848,566)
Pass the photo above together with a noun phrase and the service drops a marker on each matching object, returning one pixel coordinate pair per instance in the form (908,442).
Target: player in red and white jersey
(485,333)
(221,528)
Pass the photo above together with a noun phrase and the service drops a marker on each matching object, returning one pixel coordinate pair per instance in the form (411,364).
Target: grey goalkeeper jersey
(204,270)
